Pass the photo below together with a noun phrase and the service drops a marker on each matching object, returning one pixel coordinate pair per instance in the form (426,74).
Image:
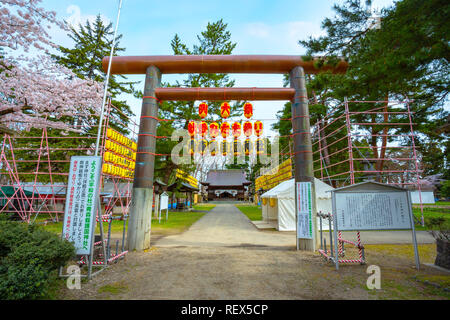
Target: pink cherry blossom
(34,90)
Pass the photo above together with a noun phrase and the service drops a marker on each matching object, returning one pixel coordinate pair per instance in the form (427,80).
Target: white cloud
(281,38)
(76,17)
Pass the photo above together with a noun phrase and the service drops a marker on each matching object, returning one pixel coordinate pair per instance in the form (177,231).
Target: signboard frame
(304,209)
(373,187)
(163,200)
(86,185)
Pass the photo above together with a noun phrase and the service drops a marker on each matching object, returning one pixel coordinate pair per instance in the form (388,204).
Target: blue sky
(258,27)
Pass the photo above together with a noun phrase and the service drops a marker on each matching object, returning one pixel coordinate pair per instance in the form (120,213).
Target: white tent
(282,210)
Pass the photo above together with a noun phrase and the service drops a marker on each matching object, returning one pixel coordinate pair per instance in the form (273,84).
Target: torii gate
(154,66)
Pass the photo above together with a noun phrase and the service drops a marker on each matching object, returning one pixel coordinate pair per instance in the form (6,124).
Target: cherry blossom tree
(34,90)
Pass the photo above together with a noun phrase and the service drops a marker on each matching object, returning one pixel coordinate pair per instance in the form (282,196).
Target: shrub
(28,256)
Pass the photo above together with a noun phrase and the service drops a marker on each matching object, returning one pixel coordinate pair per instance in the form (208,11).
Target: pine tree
(405,56)
(92,42)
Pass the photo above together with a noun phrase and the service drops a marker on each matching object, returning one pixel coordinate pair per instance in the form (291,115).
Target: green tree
(92,42)
(405,56)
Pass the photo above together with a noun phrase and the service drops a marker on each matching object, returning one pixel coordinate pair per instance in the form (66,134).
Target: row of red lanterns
(225,110)
(247,147)
(224,130)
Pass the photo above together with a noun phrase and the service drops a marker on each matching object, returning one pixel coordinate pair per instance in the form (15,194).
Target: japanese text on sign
(304,210)
(81,204)
(372,211)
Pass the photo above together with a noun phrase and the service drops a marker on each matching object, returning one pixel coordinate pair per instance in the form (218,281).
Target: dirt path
(223,256)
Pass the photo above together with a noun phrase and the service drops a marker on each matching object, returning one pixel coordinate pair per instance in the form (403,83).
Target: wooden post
(139,225)
(156,213)
(302,149)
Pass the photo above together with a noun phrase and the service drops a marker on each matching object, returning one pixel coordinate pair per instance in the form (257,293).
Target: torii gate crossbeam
(154,66)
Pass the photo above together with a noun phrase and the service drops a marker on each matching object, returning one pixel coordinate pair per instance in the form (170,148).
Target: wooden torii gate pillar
(154,66)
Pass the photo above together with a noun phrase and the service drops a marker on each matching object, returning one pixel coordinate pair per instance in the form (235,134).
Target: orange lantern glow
(224,148)
(225,129)
(225,110)
(214,130)
(203,144)
(247,147)
(203,110)
(192,146)
(248,110)
(213,147)
(191,128)
(203,128)
(237,147)
(236,129)
(258,127)
(248,127)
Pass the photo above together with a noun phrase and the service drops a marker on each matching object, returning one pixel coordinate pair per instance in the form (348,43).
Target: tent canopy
(286,190)
(283,211)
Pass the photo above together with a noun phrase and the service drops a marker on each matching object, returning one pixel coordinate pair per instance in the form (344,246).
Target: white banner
(372,211)
(81,202)
(304,210)
(164,202)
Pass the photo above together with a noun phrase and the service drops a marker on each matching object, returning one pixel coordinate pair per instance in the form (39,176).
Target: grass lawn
(431,213)
(177,222)
(437,203)
(253,212)
(203,206)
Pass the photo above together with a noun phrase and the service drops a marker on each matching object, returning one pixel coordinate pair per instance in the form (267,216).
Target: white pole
(107,82)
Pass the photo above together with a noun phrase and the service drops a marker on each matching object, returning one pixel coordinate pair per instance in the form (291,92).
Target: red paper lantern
(237,147)
(225,129)
(248,110)
(203,144)
(213,147)
(191,128)
(203,128)
(258,127)
(260,146)
(236,129)
(224,147)
(247,147)
(214,130)
(225,110)
(192,146)
(248,128)
(203,110)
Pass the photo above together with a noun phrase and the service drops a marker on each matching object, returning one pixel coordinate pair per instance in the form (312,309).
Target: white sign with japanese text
(81,202)
(372,211)
(164,204)
(304,210)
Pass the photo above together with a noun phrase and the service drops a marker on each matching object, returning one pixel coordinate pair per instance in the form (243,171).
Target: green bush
(28,257)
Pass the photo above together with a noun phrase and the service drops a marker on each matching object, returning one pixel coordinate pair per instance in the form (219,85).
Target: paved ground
(226,226)
(223,256)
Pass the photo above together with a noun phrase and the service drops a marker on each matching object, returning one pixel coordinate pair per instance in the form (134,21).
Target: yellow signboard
(186,177)
(275,176)
(120,155)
